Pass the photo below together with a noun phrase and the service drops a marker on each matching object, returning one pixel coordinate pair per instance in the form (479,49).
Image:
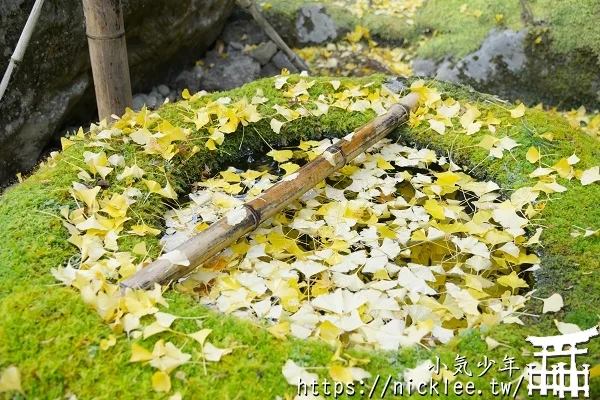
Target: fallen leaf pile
(357,55)
(397,248)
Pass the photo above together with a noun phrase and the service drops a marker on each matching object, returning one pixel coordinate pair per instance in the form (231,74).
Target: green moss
(49,333)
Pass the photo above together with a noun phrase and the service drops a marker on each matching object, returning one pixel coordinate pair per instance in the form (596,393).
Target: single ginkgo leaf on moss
(153,329)
(294,374)
(165,319)
(66,143)
(276,125)
(161,382)
(212,353)
(590,176)
(138,353)
(565,328)
(518,111)
(533,155)
(491,343)
(335,84)
(553,303)
(201,335)
(10,380)
(573,159)
(437,126)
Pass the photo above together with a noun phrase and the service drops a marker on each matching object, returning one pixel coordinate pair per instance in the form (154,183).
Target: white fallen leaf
(553,303)
(294,374)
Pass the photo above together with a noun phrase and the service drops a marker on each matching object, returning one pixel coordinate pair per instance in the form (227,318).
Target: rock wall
(54,81)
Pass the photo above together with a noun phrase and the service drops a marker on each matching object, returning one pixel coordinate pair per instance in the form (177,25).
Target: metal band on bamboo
(221,234)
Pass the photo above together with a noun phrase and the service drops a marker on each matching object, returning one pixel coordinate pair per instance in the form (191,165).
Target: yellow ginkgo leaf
(340,374)
(161,382)
(138,353)
(10,380)
(553,303)
(383,164)
(66,143)
(513,281)
(280,155)
(201,335)
(518,111)
(533,155)
(280,331)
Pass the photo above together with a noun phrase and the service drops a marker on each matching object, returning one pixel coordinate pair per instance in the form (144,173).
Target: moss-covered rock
(47,331)
(532,50)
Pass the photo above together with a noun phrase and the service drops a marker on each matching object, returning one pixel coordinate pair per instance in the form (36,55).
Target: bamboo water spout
(248,217)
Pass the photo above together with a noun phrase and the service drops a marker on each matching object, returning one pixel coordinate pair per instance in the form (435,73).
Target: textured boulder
(232,72)
(314,26)
(54,80)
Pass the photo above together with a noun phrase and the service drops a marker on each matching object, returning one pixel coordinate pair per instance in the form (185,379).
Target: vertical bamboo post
(105,30)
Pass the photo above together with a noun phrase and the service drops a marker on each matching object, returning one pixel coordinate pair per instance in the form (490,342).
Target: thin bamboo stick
(242,220)
(273,35)
(17,56)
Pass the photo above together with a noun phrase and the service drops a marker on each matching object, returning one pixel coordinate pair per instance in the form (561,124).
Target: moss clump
(47,331)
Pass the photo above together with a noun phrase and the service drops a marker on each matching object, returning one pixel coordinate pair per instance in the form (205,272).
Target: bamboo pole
(105,30)
(273,35)
(17,55)
(242,220)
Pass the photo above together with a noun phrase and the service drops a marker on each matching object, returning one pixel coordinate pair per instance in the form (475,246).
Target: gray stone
(234,48)
(264,53)
(395,84)
(447,72)
(314,26)
(243,30)
(163,89)
(281,61)
(139,100)
(230,73)
(424,67)
(504,46)
(269,70)
(54,81)
(189,79)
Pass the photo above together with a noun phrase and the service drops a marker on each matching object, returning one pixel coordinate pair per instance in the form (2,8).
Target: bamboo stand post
(105,30)
(273,35)
(242,220)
